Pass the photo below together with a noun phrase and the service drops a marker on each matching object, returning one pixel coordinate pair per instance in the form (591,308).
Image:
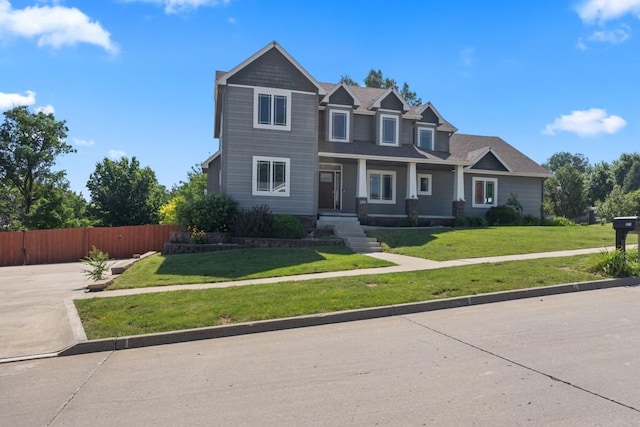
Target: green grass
(166,311)
(223,266)
(443,244)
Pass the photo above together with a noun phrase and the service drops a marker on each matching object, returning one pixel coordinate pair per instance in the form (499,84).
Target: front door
(329,190)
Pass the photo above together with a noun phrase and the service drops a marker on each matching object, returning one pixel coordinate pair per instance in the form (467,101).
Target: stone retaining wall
(240,243)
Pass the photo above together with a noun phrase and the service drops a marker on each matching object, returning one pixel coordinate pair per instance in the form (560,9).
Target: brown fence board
(11,248)
(72,244)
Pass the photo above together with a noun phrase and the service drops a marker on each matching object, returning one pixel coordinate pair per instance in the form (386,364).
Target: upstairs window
(272,109)
(339,126)
(389,129)
(425,138)
(485,192)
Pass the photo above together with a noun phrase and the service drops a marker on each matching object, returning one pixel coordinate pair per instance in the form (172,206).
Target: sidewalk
(39,318)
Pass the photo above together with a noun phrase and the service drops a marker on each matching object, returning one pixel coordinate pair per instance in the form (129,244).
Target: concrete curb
(173,337)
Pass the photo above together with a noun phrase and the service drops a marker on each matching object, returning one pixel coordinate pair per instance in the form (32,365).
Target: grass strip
(159,270)
(167,311)
(443,244)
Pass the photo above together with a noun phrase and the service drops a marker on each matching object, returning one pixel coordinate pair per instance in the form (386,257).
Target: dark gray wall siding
(442,142)
(490,162)
(407,131)
(400,191)
(377,121)
(273,70)
(213,176)
(439,203)
(242,142)
(527,190)
(429,116)
(363,128)
(391,102)
(341,97)
(325,132)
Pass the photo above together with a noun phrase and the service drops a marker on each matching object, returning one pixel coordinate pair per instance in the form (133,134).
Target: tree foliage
(563,158)
(346,79)
(376,79)
(599,182)
(185,191)
(565,195)
(123,193)
(620,168)
(30,143)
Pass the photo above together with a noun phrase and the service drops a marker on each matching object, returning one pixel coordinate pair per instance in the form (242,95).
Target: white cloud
(54,26)
(46,109)
(116,154)
(600,11)
(177,6)
(617,36)
(591,122)
(10,100)
(85,143)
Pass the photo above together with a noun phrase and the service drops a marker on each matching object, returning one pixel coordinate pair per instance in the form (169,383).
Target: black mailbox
(623,226)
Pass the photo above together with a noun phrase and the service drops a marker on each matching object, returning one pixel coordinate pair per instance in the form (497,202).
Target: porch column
(458,192)
(411,203)
(362,194)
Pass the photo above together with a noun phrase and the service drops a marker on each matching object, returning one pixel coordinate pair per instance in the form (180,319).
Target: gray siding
(428,116)
(400,191)
(442,142)
(527,190)
(325,132)
(363,128)
(273,70)
(376,118)
(491,163)
(341,97)
(407,131)
(391,102)
(439,203)
(242,142)
(213,176)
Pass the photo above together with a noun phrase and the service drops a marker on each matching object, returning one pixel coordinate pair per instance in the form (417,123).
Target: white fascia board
(392,159)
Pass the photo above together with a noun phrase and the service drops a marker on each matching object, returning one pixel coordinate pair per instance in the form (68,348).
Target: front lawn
(443,244)
(222,266)
(167,311)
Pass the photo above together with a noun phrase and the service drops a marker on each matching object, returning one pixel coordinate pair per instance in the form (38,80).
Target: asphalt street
(570,359)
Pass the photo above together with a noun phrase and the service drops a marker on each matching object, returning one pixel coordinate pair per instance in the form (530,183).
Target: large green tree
(30,143)
(123,193)
(564,192)
(184,192)
(621,167)
(563,158)
(599,182)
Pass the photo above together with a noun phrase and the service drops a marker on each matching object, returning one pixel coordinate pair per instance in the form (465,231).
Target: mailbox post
(623,226)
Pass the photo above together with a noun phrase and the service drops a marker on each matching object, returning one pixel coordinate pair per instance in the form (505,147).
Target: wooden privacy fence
(72,244)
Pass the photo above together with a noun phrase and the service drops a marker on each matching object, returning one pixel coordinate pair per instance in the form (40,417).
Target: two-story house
(307,148)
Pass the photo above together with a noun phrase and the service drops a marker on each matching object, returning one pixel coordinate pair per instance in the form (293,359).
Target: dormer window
(389,129)
(338,125)
(425,138)
(272,109)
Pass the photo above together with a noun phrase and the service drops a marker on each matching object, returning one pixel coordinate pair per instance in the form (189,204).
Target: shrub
(287,227)
(477,221)
(530,220)
(460,221)
(561,222)
(408,222)
(254,222)
(616,263)
(214,212)
(502,215)
(98,263)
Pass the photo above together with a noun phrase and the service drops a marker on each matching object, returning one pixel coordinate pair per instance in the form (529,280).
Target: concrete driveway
(33,308)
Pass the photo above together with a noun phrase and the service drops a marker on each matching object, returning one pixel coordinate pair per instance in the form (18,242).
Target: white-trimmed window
(382,186)
(424,184)
(271,108)
(271,176)
(339,125)
(485,192)
(425,138)
(389,129)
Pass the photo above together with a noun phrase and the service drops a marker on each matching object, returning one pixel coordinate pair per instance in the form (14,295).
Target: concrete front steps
(349,229)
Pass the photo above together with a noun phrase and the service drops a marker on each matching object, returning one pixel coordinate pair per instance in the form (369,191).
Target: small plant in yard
(616,263)
(287,227)
(97,262)
(197,237)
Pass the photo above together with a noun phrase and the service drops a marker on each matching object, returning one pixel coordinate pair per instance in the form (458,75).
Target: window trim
(433,137)
(484,189)
(397,130)
(272,93)
(393,186)
(254,176)
(430,178)
(347,122)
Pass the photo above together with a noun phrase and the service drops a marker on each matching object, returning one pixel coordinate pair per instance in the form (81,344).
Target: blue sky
(135,77)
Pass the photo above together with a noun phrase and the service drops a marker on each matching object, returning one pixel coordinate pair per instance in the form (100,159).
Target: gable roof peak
(356,100)
(377,102)
(222,80)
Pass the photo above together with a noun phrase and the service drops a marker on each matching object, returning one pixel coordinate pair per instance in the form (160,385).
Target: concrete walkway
(38,317)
